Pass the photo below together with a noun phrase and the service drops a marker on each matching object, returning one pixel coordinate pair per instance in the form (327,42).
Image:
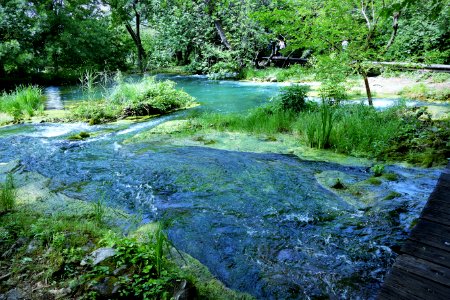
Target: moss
(392,195)
(390,176)
(374,181)
(79,136)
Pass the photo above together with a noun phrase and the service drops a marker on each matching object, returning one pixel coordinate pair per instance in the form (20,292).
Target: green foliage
(293,97)
(23,102)
(153,277)
(7,194)
(99,210)
(361,130)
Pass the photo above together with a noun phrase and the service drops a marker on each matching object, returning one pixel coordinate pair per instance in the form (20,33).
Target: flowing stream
(261,222)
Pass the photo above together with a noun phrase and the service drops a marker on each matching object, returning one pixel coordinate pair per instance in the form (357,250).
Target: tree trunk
(136,36)
(222,35)
(141,55)
(369,93)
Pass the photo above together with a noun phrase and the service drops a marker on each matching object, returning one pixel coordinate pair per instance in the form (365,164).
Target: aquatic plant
(8,194)
(377,170)
(25,101)
(99,210)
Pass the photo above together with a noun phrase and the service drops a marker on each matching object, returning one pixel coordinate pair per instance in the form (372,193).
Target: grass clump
(7,194)
(377,170)
(145,98)
(25,101)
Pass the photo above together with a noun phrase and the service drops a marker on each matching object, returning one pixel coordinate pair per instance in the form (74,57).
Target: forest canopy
(215,36)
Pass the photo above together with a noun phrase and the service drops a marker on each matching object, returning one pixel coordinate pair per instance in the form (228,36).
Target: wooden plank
(437,203)
(424,268)
(389,293)
(433,234)
(427,252)
(436,215)
(439,197)
(411,286)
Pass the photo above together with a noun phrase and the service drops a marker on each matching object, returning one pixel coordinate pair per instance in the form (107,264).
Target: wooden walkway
(422,271)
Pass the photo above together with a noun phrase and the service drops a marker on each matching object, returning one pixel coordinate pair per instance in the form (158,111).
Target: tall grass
(350,129)
(7,194)
(360,129)
(25,101)
(318,126)
(261,120)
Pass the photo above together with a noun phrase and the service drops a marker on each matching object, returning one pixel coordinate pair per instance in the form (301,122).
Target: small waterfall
(53,95)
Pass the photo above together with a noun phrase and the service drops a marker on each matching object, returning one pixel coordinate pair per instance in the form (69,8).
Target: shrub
(293,97)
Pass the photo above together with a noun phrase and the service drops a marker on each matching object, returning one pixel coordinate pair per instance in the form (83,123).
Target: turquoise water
(261,222)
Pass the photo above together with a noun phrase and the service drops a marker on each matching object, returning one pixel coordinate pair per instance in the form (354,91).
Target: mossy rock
(79,136)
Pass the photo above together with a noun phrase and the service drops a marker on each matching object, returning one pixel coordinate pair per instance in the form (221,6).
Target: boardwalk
(422,271)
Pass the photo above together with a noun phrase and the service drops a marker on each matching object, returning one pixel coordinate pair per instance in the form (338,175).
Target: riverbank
(428,86)
(56,247)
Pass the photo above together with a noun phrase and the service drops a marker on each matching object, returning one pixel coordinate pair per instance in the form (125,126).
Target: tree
(127,11)
(324,25)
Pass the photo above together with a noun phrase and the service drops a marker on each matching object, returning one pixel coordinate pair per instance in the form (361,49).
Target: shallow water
(261,222)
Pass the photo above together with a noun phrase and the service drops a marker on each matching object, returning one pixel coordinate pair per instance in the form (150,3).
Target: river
(263,223)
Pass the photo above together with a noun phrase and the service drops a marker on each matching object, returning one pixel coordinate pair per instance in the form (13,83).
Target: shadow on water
(261,222)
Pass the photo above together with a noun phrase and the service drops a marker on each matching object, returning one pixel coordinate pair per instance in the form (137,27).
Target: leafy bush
(24,101)
(293,97)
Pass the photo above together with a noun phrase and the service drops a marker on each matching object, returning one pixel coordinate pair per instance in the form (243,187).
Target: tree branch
(363,11)
(395,18)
